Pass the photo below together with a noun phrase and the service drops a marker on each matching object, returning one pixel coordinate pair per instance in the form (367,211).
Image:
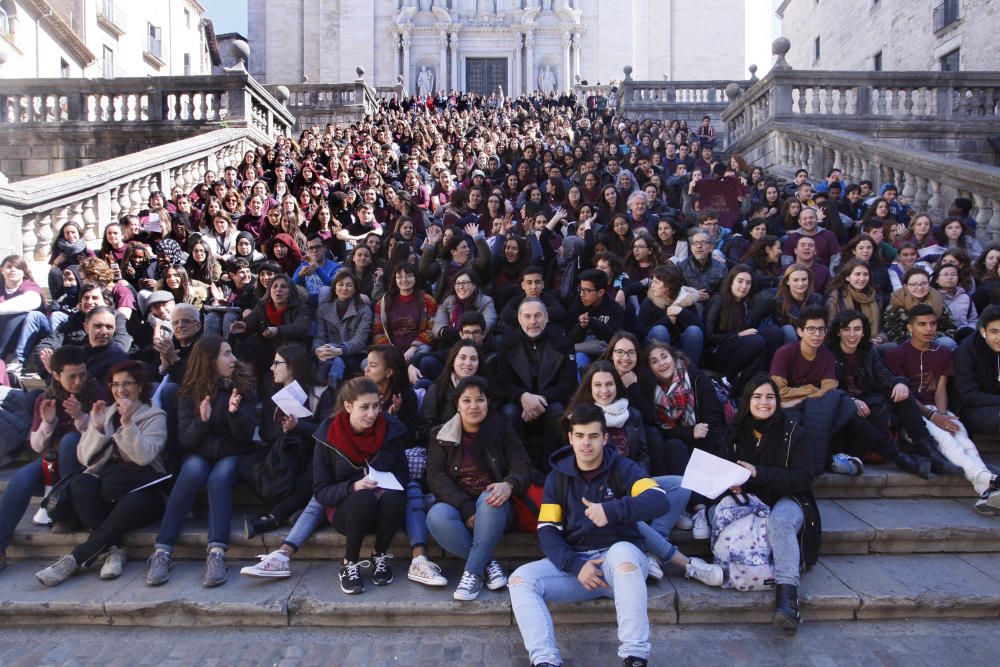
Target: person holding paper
(475,464)
(361,436)
(773,448)
(118,492)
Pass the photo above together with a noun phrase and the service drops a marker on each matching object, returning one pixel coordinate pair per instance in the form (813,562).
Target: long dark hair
(202,378)
(395,361)
(731,316)
(742,423)
(444,379)
(299,363)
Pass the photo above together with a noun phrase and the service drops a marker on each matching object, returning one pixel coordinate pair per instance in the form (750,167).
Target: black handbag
(275,475)
(57,501)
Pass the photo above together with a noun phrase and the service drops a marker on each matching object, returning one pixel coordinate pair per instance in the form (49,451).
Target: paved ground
(909,643)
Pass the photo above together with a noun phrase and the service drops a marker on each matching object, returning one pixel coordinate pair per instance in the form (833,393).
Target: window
(877,62)
(63,68)
(153,43)
(816,50)
(945,14)
(108,63)
(950,61)
(187,64)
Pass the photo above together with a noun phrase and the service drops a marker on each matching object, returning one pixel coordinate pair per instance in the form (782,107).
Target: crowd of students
(478,298)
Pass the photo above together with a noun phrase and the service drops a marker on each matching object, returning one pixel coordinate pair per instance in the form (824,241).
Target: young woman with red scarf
(358,438)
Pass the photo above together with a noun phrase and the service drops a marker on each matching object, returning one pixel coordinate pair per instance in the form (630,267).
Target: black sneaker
(381,572)
(632,661)
(350,578)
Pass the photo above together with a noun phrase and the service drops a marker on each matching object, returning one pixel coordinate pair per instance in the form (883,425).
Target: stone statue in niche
(546,80)
(546,5)
(425,81)
(425,5)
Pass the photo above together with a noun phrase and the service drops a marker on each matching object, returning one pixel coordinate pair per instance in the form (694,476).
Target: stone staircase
(894,546)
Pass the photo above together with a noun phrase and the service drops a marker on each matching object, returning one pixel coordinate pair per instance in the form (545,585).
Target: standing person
(766,442)
(927,365)
(215,417)
(476,463)
(121,489)
(360,438)
(590,540)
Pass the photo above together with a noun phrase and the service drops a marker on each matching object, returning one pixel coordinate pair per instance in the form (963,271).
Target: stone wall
(903,30)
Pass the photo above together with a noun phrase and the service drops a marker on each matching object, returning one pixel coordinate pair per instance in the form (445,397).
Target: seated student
(122,488)
(70,331)
(927,365)
(280,317)
(805,255)
(602,386)
(472,327)
(386,367)
(917,290)
(826,241)
(59,417)
(343,326)
(852,289)
(878,395)
(537,373)
(99,351)
(594,317)
(662,318)
(232,299)
(361,436)
(476,463)
(532,285)
(404,317)
(781,309)
(215,417)
(701,270)
(766,442)
(174,345)
(22,313)
(317,270)
(590,541)
(976,386)
(806,371)
(467,297)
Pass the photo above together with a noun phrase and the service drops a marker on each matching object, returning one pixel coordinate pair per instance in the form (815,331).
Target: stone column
(564,83)
(395,57)
(529,43)
(441,76)
(516,86)
(406,63)
(454,61)
(577,45)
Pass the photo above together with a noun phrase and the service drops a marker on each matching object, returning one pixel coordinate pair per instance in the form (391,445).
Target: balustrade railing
(33,211)
(233,99)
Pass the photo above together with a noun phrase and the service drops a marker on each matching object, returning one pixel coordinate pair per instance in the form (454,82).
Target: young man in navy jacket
(592,502)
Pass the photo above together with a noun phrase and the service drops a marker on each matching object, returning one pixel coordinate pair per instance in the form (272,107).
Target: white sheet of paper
(293,391)
(152,224)
(290,401)
(385,480)
(711,476)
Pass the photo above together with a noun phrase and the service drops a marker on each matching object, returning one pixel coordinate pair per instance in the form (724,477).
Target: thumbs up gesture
(595,512)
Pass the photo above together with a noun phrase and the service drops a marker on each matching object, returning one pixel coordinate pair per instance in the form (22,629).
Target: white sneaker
(424,571)
(41,518)
(114,563)
(654,569)
(274,564)
(710,575)
(700,529)
(989,502)
(684,522)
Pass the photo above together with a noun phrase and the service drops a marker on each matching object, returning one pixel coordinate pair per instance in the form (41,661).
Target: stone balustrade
(316,104)
(680,100)
(33,211)
(388,92)
(233,99)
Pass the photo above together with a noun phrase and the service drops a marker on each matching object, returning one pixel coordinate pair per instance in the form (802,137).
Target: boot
(254,527)
(786,607)
(939,464)
(915,465)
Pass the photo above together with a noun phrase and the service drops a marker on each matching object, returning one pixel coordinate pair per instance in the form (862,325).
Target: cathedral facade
(517,46)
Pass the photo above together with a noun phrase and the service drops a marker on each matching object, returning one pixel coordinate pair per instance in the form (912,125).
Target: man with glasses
(702,271)
(805,372)
(595,317)
(174,345)
(317,270)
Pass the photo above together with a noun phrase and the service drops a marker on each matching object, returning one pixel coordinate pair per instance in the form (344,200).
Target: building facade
(901,35)
(485,45)
(102,38)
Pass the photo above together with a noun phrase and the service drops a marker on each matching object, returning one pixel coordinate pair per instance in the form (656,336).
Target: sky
(761,25)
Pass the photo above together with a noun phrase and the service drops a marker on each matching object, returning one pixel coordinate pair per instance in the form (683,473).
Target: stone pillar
(529,43)
(396,73)
(441,76)
(565,83)
(516,86)
(454,61)
(577,44)
(406,63)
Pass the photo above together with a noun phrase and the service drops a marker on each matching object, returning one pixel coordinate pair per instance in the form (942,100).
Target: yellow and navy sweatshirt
(565,532)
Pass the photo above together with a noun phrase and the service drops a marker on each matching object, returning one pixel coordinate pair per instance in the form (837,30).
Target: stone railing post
(945,101)
(864,102)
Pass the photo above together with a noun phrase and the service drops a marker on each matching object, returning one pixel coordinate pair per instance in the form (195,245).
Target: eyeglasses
(625,353)
(184,322)
(462,283)
(918,285)
(813,331)
(587,290)
(278,363)
(127,384)
(472,332)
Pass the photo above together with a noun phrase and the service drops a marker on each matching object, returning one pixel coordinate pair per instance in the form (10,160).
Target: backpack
(724,393)
(740,545)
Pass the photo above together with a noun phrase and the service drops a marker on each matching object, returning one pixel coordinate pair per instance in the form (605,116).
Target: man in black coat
(976,384)
(537,371)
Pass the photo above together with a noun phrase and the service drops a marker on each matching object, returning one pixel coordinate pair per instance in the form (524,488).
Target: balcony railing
(111,16)
(945,14)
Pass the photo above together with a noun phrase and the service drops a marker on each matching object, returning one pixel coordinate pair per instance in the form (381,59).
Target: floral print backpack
(740,545)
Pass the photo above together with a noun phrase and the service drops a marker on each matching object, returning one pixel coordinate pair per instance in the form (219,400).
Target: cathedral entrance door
(483,75)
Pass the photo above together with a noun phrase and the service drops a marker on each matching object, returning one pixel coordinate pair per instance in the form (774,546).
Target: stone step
(850,526)
(837,588)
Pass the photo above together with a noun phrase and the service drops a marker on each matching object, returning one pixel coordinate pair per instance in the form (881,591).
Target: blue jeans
(197,472)
(692,341)
(475,546)
(219,322)
(533,585)
(19,332)
(657,532)
(28,482)
(783,528)
(417,504)
(309,520)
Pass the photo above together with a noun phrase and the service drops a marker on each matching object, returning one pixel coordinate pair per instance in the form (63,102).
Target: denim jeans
(28,482)
(417,504)
(692,341)
(533,585)
(783,528)
(476,546)
(657,533)
(19,332)
(219,322)
(197,472)
(309,520)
